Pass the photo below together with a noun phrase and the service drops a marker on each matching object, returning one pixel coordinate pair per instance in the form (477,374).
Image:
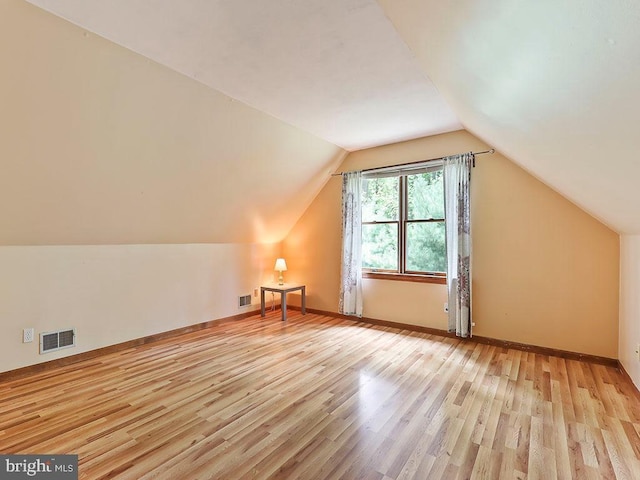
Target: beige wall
(133,200)
(629,338)
(115,293)
(102,146)
(545,273)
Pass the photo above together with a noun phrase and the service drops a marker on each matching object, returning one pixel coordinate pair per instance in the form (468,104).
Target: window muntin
(403,223)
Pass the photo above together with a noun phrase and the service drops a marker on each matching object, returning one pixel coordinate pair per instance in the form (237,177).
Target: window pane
(380,246)
(380,199)
(426,247)
(425,196)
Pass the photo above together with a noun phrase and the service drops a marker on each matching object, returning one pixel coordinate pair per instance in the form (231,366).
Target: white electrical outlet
(255,292)
(638,351)
(27,335)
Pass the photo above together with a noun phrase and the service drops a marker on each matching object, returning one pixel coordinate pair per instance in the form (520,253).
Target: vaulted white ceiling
(553,85)
(335,68)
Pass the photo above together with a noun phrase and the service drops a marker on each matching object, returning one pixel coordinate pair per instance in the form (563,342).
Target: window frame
(402,222)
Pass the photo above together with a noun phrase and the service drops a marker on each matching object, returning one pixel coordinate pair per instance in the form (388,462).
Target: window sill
(403,277)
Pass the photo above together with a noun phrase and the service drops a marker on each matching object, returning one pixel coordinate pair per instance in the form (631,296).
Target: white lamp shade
(281,265)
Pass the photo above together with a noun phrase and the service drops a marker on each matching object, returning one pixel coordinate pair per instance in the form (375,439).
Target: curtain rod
(490,152)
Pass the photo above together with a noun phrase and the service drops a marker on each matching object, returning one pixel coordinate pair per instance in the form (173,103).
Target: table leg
(283,305)
(304,301)
(262,302)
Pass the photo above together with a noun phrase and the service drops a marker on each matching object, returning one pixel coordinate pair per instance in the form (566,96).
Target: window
(403,231)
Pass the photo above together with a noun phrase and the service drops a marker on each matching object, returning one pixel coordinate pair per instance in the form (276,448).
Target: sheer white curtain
(457,180)
(351,272)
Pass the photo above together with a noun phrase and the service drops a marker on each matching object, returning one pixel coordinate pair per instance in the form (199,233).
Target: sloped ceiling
(334,68)
(553,85)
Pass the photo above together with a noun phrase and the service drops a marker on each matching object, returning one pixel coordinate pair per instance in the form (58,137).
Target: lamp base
(280,279)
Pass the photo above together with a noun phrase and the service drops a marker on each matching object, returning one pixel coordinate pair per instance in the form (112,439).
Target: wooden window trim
(407,277)
(402,274)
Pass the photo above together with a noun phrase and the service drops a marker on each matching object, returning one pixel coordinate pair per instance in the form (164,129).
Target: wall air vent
(52,341)
(244,301)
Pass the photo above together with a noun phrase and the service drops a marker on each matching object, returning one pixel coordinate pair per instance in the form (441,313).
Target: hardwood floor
(325,398)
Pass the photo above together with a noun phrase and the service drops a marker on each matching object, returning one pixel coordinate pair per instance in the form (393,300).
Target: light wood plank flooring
(325,398)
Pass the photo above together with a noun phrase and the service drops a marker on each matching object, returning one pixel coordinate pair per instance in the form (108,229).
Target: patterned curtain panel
(457,182)
(351,272)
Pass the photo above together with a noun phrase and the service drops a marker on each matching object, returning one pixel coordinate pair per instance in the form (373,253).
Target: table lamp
(281,266)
